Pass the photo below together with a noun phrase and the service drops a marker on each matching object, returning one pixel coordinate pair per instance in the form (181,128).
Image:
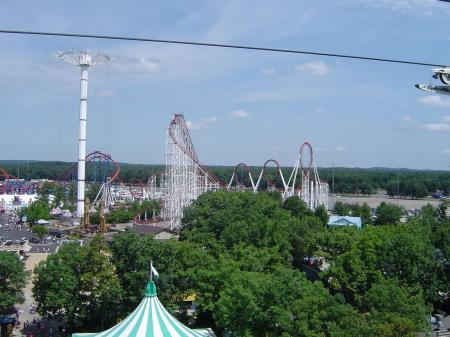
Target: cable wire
(219,45)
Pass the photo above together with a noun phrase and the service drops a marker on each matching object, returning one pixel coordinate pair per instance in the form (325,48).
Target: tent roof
(150,319)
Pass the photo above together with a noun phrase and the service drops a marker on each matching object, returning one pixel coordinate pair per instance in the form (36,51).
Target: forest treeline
(406,182)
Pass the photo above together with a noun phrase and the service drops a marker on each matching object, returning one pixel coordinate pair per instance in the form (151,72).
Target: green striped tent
(150,319)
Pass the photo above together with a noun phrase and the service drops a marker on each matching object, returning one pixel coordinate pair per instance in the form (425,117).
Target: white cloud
(446,119)
(446,151)
(341,148)
(268,71)
(435,101)
(240,113)
(317,68)
(436,127)
(204,121)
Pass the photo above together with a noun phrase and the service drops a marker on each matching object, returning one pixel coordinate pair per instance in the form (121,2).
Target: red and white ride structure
(311,189)
(303,181)
(185,178)
(110,191)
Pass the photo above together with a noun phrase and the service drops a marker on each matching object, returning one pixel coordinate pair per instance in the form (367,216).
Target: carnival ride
(441,74)
(185,178)
(309,188)
(103,170)
(83,59)
(10,184)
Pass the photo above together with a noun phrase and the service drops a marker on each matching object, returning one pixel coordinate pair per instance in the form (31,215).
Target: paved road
(374,201)
(44,248)
(18,232)
(15,233)
(30,263)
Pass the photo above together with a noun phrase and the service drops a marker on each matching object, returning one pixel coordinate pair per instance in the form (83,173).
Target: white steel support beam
(82,141)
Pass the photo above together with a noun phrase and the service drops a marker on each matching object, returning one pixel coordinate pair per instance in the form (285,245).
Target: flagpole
(151,270)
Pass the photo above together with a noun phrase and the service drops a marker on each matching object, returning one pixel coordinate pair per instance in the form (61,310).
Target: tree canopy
(40,231)
(12,281)
(80,281)
(241,256)
(36,211)
(388,214)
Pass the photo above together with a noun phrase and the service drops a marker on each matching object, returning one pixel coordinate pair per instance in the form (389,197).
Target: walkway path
(32,260)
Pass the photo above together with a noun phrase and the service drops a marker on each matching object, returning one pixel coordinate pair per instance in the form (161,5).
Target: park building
(16,201)
(150,318)
(338,220)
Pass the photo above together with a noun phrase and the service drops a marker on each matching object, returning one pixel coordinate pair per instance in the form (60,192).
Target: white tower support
(84,60)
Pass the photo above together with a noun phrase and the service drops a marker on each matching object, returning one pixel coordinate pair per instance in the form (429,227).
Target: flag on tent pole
(153,272)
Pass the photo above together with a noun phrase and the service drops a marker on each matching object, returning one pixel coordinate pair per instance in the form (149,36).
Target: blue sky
(241,105)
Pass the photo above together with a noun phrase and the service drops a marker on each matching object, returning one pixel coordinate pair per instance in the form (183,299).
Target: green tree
(12,280)
(365,213)
(304,237)
(175,261)
(119,215)
(392,188)
(393,309)
(403,253)
(335,241)
(145,206)
(36,211)
(388,214)
(86,292)
(341,209)
(297,207)
(322,214)
(441,212)
(281,302)
(245,217)
(40,231)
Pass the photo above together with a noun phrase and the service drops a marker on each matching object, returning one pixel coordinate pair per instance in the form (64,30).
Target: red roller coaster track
(306,150)
(20,187)
(89,158)
(240,184)
(270,182)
